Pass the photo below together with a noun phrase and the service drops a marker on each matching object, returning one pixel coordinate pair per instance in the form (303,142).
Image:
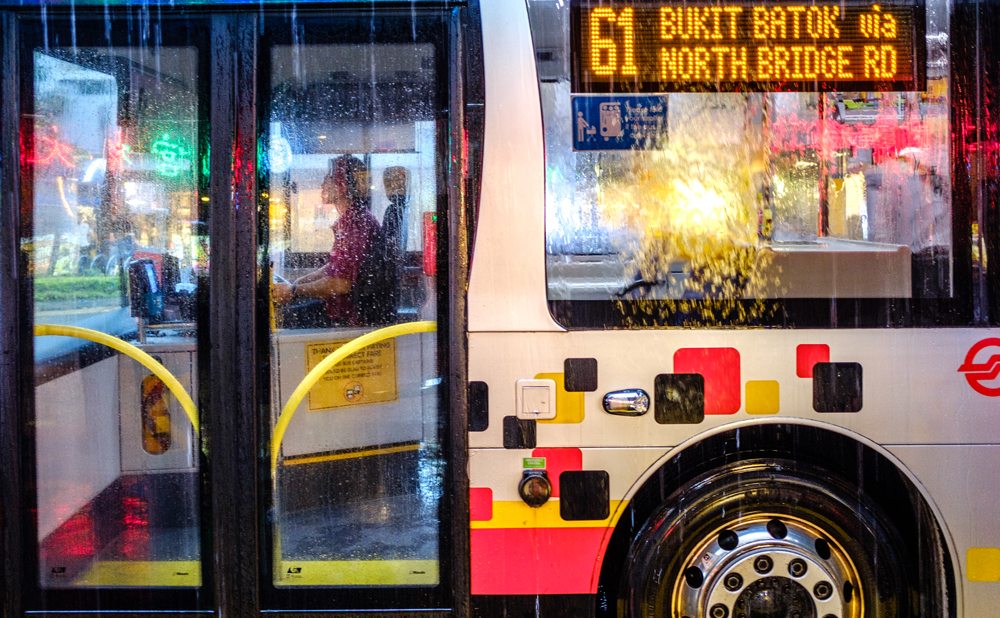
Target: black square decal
(580,375)
(837,387)
(584,494)
(679,398)
(479,406)
(518,432)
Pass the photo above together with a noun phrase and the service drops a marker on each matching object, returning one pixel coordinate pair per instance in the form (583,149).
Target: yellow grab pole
(128,349)
(325,365)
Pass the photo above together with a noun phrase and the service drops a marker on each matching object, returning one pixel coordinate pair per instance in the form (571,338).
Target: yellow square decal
(762,397)
(982,564)
(569,406)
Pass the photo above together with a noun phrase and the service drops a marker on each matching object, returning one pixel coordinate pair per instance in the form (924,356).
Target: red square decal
(721,369)
(807,355)
(480,504)
(557,461)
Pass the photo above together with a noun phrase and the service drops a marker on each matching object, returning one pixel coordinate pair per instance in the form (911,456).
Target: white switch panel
(536,399)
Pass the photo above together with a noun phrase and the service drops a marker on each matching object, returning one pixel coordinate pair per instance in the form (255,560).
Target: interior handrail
(130,350)
(188,405)
(325,365)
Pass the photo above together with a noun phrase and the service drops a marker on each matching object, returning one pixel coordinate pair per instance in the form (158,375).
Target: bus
(552,308)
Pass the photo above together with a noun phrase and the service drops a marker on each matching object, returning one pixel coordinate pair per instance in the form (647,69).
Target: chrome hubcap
(768,566)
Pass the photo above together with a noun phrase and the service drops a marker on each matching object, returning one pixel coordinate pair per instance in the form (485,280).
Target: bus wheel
(767,538)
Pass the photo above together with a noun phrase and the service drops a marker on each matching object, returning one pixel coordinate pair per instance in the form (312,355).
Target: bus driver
(354,234)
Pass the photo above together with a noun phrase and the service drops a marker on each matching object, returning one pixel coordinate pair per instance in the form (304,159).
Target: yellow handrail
(128,349)
(325,365)
(185,400)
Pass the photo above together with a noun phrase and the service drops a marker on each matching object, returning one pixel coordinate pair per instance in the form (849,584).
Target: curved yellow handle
(326,364)
(129,350)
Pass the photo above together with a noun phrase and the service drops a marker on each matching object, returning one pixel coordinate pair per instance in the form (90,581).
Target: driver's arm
(315,275)
(316,284)
(319,284)
(323,287)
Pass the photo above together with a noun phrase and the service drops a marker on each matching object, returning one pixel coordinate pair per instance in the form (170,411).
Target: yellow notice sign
(366,377)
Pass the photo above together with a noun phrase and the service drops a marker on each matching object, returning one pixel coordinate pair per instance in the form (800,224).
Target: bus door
(354,188)
(114,241)
(240,235)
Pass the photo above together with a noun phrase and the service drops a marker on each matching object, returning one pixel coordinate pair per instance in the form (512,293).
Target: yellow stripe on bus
(135,573)
(358,573)
(517,514)
(351,455)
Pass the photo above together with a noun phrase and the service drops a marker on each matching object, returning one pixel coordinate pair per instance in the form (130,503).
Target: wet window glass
(352,192)
(116,245)
(747,208)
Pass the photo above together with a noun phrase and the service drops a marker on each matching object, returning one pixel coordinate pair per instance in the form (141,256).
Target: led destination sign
(621,46)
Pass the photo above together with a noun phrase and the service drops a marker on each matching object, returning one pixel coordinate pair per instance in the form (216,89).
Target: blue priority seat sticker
(619,122)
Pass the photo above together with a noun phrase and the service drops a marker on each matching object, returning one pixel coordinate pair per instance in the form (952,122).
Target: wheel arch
(854,457)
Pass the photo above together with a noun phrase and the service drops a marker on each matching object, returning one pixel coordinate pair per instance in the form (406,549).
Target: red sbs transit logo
(984,371)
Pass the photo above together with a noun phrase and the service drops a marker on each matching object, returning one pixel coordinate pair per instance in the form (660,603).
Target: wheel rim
(768,565)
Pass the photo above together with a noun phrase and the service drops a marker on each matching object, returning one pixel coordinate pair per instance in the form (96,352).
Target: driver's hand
(281,293)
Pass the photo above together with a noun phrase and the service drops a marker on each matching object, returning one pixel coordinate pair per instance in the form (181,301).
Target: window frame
(976,299)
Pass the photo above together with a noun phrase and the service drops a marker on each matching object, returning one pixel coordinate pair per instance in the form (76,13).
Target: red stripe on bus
(537,560)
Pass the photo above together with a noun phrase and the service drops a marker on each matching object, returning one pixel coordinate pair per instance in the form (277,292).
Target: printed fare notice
(366,377)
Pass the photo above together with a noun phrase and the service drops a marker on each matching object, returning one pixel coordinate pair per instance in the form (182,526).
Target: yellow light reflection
(691,214)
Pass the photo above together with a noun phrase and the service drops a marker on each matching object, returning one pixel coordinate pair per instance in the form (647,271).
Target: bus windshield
(740,179)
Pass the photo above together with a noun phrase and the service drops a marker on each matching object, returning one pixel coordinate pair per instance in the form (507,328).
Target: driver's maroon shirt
(354,234)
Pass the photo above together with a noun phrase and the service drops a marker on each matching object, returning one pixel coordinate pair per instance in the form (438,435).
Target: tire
(767,538)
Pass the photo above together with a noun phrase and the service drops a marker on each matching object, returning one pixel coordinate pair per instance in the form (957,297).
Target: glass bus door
(234,229)
(114,240)
(353,191)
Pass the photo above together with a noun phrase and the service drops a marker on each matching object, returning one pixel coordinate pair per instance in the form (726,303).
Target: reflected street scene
(115,166)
